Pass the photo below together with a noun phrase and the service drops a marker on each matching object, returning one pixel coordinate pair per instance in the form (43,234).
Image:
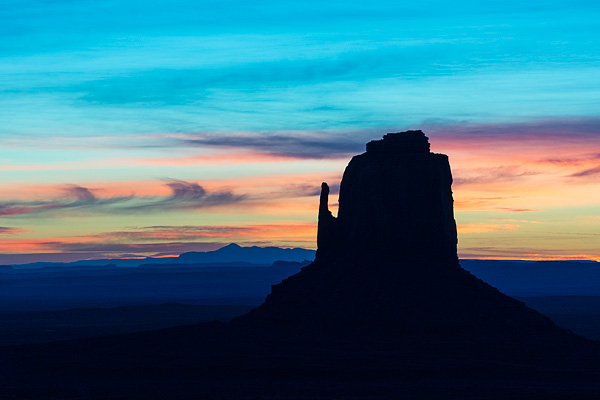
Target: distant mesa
(227,254)
(253,254)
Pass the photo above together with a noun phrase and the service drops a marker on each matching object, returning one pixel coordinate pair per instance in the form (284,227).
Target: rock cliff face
(395,200)
(388,262)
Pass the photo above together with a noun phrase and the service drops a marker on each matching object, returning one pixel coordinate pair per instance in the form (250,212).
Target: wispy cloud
(295,191)
(565,140)
(356,61)
(162,233)
(587,173)
(81,193)
(512,252)
(10,231)
(561,141)
(73,197)
(557,129)
(528,221)
(518,209)
(211,147)
(485,227)
(491,175)
(573,160)
(294,145)
(184,196)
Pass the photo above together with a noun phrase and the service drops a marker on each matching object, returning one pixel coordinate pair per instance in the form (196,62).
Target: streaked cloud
(574,160)
(480,176)
(587,173)
(184,196)
(298,145)
(73,197)
(4,230)
(80,193)
(518,209)
(566,130)
(141,239)
(523,253)
(485,227)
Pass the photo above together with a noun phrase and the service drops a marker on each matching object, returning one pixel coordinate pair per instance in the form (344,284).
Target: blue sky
(114,67)
(109,95)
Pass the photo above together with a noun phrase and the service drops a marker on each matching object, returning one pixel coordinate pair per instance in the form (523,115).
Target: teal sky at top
(109,68)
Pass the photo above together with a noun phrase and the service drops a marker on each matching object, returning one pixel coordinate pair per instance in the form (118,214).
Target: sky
(152,128)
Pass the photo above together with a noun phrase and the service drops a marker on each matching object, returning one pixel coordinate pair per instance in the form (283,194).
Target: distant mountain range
(228,254)
(253,254)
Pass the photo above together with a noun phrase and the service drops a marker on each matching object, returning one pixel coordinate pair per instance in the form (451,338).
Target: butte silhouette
(384,311)
(388,262)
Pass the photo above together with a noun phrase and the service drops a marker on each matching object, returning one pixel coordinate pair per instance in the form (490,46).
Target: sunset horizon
(132,131)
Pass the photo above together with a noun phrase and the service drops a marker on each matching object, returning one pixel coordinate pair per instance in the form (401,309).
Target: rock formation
(395,200)
(389,262)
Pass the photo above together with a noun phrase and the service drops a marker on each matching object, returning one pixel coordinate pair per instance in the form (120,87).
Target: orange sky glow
(521,195)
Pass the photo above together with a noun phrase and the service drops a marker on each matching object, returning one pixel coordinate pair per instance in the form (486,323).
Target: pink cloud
(485,227)
(587,173)
(10,231)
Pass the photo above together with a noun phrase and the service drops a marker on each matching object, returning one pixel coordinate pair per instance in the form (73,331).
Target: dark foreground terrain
(47,326)
(578,314)
(225,361)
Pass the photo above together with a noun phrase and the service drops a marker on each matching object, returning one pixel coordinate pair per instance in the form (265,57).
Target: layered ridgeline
(388,262)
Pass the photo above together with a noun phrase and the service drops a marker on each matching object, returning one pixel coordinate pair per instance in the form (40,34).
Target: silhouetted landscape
(385,310)
(69,301)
